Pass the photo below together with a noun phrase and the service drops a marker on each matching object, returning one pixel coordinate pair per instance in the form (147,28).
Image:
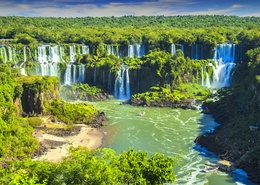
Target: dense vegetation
(155,32)
(15,132)
(168,77)
(158,96)
(84,92)
(99,167)
(199,21)
(236,109)
(17,144)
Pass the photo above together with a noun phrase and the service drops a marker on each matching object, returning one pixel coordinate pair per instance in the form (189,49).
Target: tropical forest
(130,100)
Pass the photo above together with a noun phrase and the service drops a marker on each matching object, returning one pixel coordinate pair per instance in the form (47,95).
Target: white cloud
(161,7)
(238,6)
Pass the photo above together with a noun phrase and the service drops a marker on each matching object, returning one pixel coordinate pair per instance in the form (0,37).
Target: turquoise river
(168,131)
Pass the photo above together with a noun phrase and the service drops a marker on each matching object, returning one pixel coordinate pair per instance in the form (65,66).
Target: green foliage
(16,138)
(25,39)
(192,91)
(99,167)
(154,31)
(198,21)
(163,95)
(39,83)
(82,92)
(72,113)
(35,121)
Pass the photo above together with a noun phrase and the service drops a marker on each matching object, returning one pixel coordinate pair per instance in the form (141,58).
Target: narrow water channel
(168,131)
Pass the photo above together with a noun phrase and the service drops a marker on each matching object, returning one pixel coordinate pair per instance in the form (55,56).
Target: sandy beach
(58,146)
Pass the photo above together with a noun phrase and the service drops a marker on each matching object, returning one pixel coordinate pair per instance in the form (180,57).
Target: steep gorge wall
(237,109)
(37,91)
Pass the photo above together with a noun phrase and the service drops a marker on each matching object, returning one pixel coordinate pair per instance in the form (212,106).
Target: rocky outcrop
(98,120)
(37,91)
(186,104)
(233,140)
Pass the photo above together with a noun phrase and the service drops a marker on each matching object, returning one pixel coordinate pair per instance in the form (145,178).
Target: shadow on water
(208,125)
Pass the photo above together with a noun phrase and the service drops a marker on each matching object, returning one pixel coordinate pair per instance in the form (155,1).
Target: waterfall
(42,57)
(74,73)
(128,93)
(10,53)
(22,71)
(111,50)
(202,76)
(24,54)
(207,83)
(48,63)
(82,73)
(53,69)
(67,78)
(136,50)
(122,84)
(72,54)
(54,55)
(85,49)
(131,51)
(173,49)
(14,55)
(61,53)
(3,54)
(139,50)
(224,56)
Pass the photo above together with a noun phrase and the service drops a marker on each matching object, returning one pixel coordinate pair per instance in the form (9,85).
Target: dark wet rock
(98,120)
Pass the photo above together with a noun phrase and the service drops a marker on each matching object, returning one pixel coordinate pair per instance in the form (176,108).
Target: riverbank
(233,140)
(55,141)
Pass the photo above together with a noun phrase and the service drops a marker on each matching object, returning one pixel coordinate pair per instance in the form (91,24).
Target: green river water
(168,131)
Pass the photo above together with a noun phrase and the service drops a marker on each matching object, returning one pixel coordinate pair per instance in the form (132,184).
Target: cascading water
(139,50)
(48,63)
(131,51)
(68,73)
(3,54)
(67,78)
(22,69)
(10,53)
(85,49)
(122,84)
(42,58)
(196,52)
(112,50)
(207,83)
(173,49)
(54,55)
(224,56)
(136,50)
(72,54)
(82,73)
(74,73)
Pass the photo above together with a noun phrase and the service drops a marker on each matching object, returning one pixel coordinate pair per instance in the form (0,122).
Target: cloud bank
(99,8)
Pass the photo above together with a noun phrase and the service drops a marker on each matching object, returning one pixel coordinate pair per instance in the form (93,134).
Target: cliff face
(237,110)
(36,92)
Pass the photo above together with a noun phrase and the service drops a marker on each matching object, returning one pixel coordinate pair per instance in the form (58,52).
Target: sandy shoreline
(87,137)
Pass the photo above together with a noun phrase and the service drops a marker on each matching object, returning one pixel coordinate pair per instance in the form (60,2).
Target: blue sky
(98,8)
